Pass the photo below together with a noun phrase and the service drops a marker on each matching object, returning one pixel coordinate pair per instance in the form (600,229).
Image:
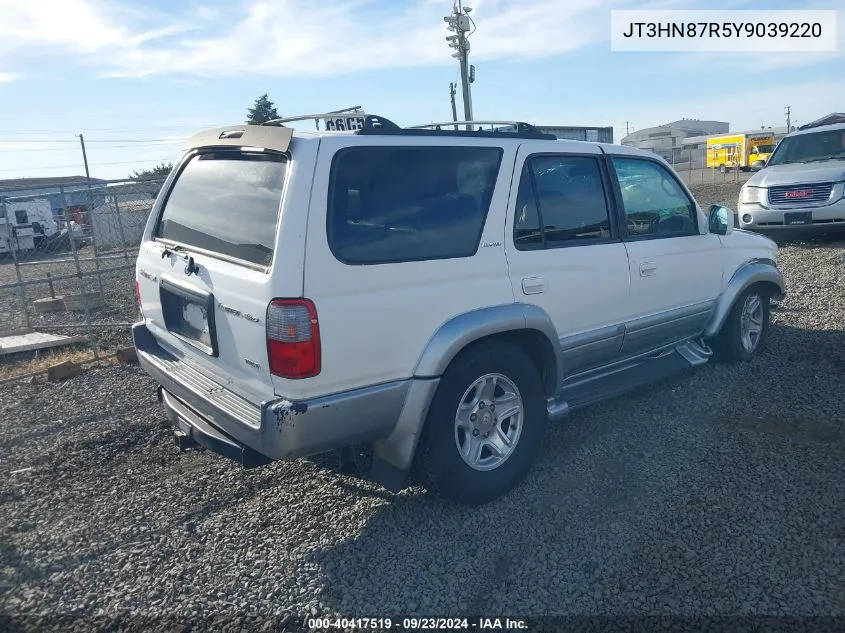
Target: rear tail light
(293,338)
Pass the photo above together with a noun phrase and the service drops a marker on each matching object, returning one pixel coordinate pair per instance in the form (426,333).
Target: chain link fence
(693,170)
(67,262)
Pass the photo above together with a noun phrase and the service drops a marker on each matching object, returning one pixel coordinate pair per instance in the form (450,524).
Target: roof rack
(830,119)
(517,129)
(304,117)
(374,124)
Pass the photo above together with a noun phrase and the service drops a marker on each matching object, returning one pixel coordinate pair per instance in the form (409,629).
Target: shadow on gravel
(808,239)
(715,493)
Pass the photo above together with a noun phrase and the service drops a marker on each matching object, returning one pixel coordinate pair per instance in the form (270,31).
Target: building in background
(666,140)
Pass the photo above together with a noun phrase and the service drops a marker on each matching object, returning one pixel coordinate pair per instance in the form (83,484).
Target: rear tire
(744,333)
(461,418)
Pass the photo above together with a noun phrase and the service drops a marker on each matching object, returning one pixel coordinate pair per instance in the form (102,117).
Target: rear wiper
(171,250)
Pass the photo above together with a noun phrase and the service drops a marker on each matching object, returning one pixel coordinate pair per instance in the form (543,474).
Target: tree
(262,111)
(158,172)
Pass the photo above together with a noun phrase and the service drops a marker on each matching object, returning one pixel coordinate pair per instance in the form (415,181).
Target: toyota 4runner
(438,294)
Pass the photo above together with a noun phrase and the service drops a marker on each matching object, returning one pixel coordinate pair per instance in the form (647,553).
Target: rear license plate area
(798,218)
(189,315)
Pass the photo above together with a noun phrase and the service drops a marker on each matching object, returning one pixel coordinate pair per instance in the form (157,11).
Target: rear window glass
(393,204)
(226,203)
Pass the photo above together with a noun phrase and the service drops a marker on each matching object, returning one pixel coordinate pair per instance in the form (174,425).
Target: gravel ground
(717,493)
(725,195)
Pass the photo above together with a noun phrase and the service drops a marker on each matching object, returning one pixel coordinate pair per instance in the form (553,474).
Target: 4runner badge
(488,244)
(236,312)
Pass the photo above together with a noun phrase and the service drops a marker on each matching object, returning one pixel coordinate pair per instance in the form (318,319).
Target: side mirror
(720,220)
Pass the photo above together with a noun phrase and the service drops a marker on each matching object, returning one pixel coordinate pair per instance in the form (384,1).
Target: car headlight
(750,195)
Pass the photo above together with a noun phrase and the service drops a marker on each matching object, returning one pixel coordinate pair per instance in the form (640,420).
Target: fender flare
(751,272)
(392,456)
(458,332)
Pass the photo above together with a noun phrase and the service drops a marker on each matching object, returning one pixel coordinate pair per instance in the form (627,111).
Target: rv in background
(26,224)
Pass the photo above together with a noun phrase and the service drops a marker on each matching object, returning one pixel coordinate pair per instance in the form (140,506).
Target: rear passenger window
(394,204)
(561,201)
(226,203)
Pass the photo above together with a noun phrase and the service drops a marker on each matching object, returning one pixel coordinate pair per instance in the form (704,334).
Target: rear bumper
(222,421)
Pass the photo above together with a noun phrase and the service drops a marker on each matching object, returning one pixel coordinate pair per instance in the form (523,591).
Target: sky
(137,78)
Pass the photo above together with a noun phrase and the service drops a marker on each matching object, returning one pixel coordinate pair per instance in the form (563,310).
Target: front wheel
(744,333)
(485,425)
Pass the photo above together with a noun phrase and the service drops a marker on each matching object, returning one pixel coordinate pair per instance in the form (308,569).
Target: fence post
(13,248)
(80,287)
(94,241)
(120,226)
(690,166)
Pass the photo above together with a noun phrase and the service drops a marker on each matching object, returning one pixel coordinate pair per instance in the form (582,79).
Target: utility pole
(85,159)
(788,119)
(89,220)
(627,128)
(459,22)
(454,106)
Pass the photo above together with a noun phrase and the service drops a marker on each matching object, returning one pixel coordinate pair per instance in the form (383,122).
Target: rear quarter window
(226,203)
(396,204)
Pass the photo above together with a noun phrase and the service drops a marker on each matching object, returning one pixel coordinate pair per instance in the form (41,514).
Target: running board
(556,408)
(624,377)
(695,352)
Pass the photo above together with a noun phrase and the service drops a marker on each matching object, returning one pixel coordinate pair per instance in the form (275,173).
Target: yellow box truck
(745,151)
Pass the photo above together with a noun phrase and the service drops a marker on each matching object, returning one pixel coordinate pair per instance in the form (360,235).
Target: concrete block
(126,355)
(77,302)
(62,371)
(49,304)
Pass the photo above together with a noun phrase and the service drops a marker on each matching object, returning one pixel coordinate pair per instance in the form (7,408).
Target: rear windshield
(226,203)
(395,204)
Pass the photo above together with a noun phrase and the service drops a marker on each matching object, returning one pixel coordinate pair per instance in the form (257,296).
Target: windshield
(807,148)
(762,149)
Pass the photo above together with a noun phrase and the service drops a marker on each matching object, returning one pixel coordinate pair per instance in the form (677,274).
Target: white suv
(438,294)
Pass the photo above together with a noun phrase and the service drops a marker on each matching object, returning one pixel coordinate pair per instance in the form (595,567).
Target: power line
(77,165)
(111,140)
(190,126)
(66,149)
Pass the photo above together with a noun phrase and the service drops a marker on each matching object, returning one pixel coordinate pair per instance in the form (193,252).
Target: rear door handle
(533,285)
(647,269)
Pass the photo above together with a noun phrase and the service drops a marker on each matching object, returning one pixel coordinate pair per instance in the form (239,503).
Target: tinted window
(655,204)
(526,225)
(226,203)
(20,217)
(391,204)
(565,197)
(807,148)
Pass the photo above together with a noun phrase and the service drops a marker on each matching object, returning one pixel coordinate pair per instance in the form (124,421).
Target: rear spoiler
(274,138)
